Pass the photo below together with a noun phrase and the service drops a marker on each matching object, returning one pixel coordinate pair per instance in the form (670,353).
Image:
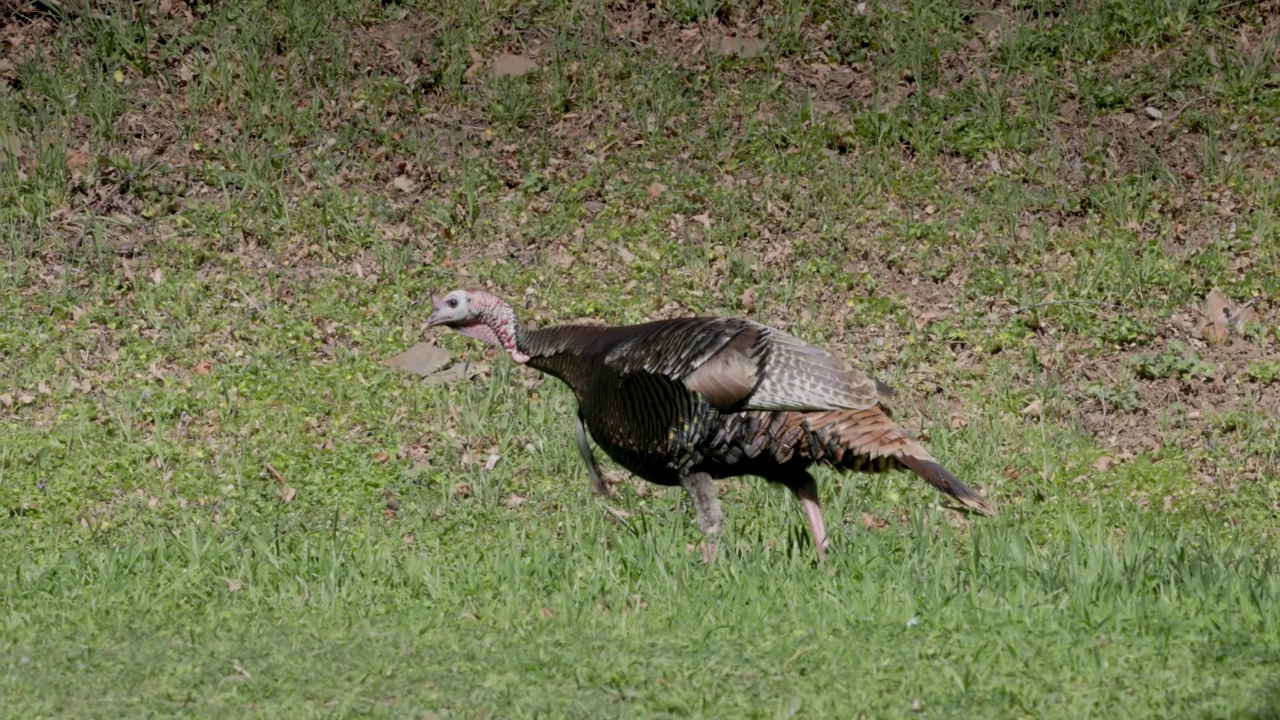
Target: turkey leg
(706,504)
(806,491)
(598,485)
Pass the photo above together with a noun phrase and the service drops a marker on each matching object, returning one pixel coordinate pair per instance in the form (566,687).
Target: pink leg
(807,493)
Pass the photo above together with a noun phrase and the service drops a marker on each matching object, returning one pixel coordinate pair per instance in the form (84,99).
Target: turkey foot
(707,550)
(806,492)
(706,505)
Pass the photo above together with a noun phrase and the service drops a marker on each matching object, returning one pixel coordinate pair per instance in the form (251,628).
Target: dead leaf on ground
(871,522)
(275,474)
(704,220)
(507,65)
(233,585)
(202,368)
(421,359)
(456,373)
(514,501)
(287,494)
(462,489)
(477,62)
(1034,409)
(1223,317)
(655,190)
(491,462)
(742,46)
(1103,463)
(403,183)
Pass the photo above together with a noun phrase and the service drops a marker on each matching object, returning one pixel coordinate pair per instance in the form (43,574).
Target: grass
(218,218)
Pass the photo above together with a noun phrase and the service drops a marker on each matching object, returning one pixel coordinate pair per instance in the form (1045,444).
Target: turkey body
(686,401)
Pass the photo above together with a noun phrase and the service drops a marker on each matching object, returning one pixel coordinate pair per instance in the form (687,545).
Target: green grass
(215,501)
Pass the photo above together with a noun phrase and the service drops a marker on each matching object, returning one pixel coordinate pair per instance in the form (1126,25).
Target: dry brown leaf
(457,373)
(381,457)
(233,585)
(78,162)
(507,65)
(1104,462)
(742,46)
(275,474)
(462,489)
(202,368)
(157,276)
(655,190)
(514,501)
(477,62)
(1223,317)
(871,522)
(704,220)
(1034,409)
(491,462)
(287,494)
(958,421)
(403,183)
(421,359)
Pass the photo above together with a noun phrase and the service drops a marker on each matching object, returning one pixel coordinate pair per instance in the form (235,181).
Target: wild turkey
(686,401)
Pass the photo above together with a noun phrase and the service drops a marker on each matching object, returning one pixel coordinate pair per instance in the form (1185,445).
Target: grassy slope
(219,219)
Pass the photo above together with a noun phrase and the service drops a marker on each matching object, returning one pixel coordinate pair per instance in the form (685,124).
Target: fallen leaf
(958,421)
(491,462)
(462,489)
(704,220)
(403,183)
(202,367)
(507,65)
(380,457)
(153,503)
(1222,317)
(546,613)
(514,501)
(421,359)
(1104,462)
(77,162)
(157,276)
(1168,503)
(1033,409)
(742,46)
(287,494)
(233,585)
(275,474)
(655,190)
(477,62)
(456,373)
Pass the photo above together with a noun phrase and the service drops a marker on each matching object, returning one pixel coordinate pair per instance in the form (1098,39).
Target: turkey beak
(436,318)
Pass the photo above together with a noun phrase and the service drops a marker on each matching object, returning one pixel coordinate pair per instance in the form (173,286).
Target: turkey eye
(452,302)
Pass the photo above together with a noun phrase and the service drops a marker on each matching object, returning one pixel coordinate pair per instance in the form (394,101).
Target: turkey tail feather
(870,435)
(938,477)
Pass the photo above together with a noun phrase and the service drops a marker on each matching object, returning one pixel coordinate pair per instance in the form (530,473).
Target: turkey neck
(569,353)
